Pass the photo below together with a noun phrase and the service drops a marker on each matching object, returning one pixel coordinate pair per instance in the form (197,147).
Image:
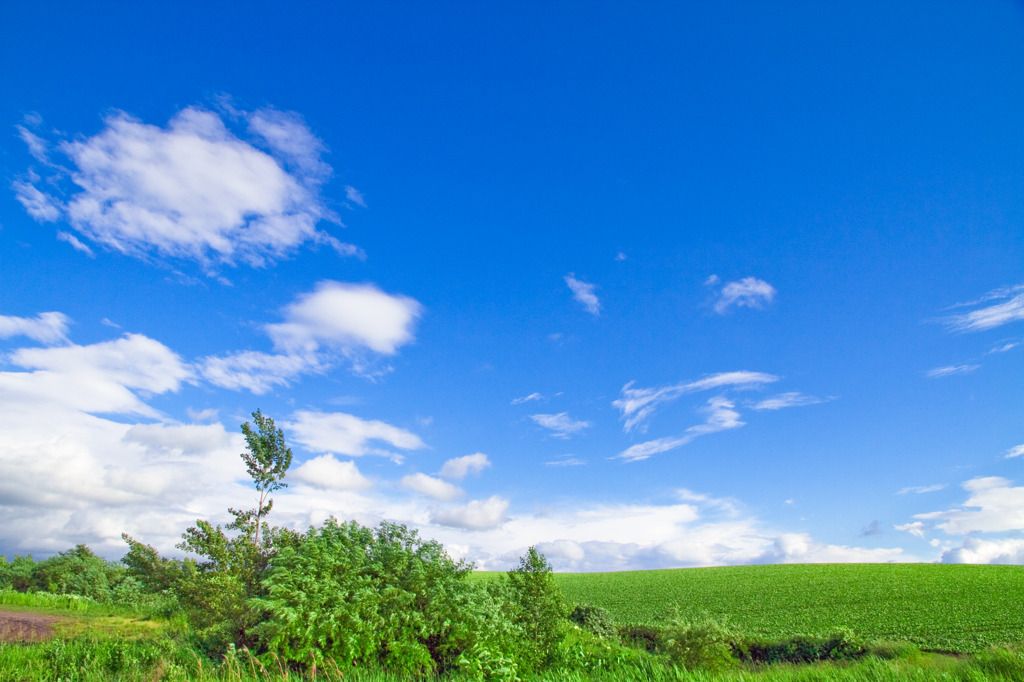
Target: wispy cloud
(951,370)
(997,308)
(346,434)
(583,292)
(639,404)
(921,489)
(790,399)
(566,461)
(1004,347)
(75,242)
(748,292)
(46,328)
(561,424)
(527,398)
(720,416)
(193,190)
(1015,451)
(355,196)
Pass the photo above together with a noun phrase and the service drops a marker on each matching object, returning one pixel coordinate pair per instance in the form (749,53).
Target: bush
(641,636)
(838,646)
(537,607)
(594,619)
(704,644)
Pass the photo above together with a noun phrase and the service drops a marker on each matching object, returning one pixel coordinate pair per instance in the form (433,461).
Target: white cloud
(583,293)
(783,400)
(915,528)
(527,398)
(345,317)
(921,489)
(992,506)
(47,328)
(978,551)
(749,292)
(458,468)
(355,196)
(335,321)
(41,206)
(195,190)
(327,472)
(98,378)
(433,488)
(720,417)
(37,146)
(1004,347)
(475,515)
(561,424)
(639,404)
(75,242)
(1015,451)
(950,370)
(348,435)
(1010,308)
(255,371)
(566,461)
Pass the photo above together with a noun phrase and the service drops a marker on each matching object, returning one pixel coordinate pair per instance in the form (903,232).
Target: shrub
(594,619)
(840,645)
(641,636)
(705,644)
(537,607)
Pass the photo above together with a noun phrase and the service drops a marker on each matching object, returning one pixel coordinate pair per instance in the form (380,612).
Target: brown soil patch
(25,627)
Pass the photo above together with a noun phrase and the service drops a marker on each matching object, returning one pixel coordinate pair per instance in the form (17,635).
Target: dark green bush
(838,646)
(641,636)
(594,619)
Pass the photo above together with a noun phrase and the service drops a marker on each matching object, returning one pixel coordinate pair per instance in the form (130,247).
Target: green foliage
(537,607)
(369,597)
(838,646)
(704,643)
(594,619)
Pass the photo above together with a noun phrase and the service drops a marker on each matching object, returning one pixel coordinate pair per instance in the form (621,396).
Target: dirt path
(25,627)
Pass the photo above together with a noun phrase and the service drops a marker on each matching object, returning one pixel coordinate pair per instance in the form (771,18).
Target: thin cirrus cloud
(193,190)
(1015,451)
(790,399)
(748,292)
(527,398)
(992,310)
(561,425)
(921,489)
(950,370)
(336,321)
(583,293)
(48,328)
(639,404)
(720,415)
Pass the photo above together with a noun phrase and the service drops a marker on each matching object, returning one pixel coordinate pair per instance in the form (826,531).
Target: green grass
(956,608)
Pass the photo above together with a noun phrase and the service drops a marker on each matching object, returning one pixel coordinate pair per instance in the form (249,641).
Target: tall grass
(45,600)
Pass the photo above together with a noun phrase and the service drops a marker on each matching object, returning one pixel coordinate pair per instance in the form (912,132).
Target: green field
(958,608)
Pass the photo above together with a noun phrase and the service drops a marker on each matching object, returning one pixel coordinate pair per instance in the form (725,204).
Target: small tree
(538,607)
(218,592)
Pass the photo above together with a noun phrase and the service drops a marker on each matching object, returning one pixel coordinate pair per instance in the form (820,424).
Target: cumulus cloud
(950,370)
(583,293)
(334,322)
(46,328)
(344,317)
(749,292)
(993,505)
(475,515)
(639,404)
(193,189)
(561,425)
(337,432)
(329,473)
(433,488)
(994,309)
(978,551)
(458,468)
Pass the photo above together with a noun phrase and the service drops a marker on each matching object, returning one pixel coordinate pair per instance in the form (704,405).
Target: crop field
(954,608)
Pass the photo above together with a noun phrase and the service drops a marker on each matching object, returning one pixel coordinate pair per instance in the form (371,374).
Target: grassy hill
(961,608)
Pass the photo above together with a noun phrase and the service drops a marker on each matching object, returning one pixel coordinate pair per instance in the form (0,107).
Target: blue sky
(655,285)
